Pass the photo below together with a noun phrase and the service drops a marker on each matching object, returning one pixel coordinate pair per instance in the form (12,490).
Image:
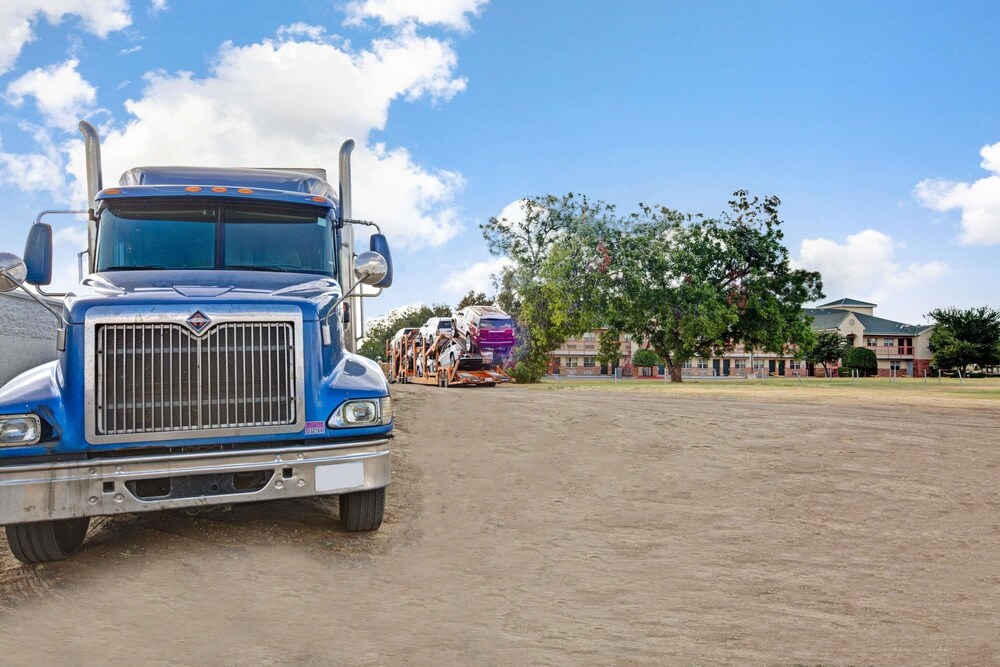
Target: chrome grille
(161,377)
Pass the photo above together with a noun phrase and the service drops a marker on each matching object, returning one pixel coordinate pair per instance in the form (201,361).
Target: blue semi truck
(207,356)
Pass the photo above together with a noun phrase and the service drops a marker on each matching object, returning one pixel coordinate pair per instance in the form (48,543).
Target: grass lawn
(979,393)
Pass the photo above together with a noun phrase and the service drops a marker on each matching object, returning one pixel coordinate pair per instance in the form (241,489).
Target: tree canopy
(474,298)
(966,337)
(609,348)
(685,284)
(380,332)
(546,287)
(828,348)
(694,286)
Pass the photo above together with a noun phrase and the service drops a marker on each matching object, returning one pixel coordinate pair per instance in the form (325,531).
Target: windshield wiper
(257,267)
(137,267)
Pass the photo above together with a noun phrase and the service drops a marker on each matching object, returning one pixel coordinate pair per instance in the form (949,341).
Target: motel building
(901,349)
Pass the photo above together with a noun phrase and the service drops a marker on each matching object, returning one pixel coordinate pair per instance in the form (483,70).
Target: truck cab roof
(300,181)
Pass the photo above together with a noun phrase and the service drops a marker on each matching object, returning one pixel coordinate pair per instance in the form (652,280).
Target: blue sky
(878,124)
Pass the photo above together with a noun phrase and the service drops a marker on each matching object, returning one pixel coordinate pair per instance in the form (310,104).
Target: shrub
(860,359)
(526,372)
(646,358)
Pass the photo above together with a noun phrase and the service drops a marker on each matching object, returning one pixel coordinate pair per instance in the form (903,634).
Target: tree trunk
(676,372)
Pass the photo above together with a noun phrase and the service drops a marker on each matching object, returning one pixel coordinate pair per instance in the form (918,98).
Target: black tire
(46,541)
(362,510)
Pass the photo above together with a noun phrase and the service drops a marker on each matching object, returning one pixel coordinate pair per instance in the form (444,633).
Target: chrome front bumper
(40,492)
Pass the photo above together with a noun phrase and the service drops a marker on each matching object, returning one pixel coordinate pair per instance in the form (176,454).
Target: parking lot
(529,526)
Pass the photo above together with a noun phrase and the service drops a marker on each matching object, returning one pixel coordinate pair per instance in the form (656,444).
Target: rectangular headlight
(19,430)
(364,412)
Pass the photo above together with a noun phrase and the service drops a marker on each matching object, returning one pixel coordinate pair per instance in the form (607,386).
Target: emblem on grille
(198,321)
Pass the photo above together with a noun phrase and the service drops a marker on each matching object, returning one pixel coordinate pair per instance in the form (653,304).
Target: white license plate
(340,476)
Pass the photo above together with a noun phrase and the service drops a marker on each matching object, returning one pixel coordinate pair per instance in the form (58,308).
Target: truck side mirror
(370,268)
(11,271)
(379,244)
(38,254)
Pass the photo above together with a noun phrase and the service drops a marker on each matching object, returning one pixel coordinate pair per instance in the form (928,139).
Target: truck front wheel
(46,541)
(362,510)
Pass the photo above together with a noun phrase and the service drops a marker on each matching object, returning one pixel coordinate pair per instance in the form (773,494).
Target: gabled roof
(848,302)
(878,326)
(823,319)
(831,318)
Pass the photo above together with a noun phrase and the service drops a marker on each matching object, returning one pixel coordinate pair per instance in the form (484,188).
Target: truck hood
(313,294)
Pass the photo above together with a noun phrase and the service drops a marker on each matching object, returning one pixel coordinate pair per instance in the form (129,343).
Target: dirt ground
(569,527)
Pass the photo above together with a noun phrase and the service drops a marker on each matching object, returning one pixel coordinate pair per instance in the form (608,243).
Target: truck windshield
(161,234)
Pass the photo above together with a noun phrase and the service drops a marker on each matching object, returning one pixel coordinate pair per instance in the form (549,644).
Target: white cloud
(35,172)
(61,94)
(865,266)
(978,201)
(446,13)
(74,236)
(157,6)
(478,277)
(316,33)
(289,101)
(17,19)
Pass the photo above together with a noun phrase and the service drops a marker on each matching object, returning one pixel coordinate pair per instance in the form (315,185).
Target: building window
(570,362)
(702,363)
(758,365)
(889,342)
(871,342)
(590,335)
(628,337)
(570,346)
(795,365)
(740,364)
(687,364)
(589,362)
(894,366)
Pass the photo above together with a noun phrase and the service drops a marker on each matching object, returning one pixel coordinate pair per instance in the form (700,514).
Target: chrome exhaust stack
(346,278)
(95,183)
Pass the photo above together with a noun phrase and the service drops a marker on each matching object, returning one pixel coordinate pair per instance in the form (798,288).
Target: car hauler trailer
(447,361)
(206,357)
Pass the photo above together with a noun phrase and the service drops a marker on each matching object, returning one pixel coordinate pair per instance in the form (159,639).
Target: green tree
(860,359)
(966,337)
(474,298)
(645,358)
(828,348)
(692,286)
(382,330)
(609,348)
(547,286)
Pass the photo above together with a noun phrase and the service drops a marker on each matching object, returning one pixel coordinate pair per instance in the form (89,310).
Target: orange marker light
(319,199)
(193,188)
(113,191)
(218,189)
(245,191)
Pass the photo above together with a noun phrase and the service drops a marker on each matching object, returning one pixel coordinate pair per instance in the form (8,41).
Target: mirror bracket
(367,223)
